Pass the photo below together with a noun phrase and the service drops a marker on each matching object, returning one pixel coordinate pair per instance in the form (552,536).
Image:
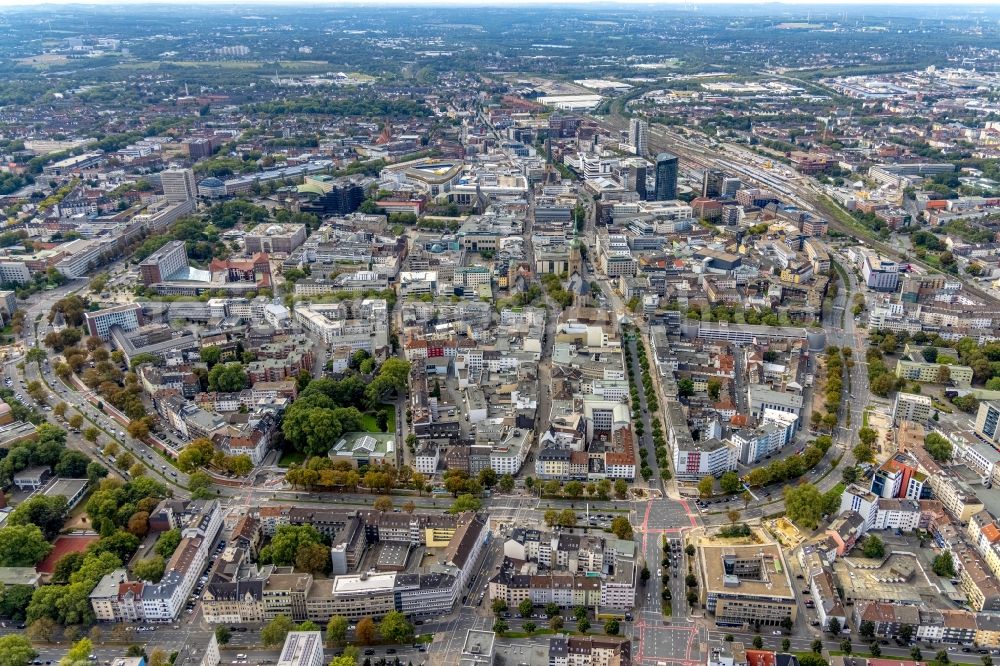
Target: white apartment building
(879,273)
(864,502)
(14,272)
(178,185)
(163,601)
(99,323)
(363,325)
(911,407)
(427,458)
(898,514)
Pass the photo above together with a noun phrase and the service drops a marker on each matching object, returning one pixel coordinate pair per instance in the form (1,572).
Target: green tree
(168,542)
(16,650)
(288,539)
(611,627)
(14,600)
(943,565)
(41,629)
(78,653)
(863,453)
(211,355)
(817,646)
(938,447)
(349,657)
(714,388)
(867,630)
(23,546)
(227,378)
(730,482)
(621,528)
(222,635)
(487,478)
(803,505)
(47,512)
(525,608)
(506,483)
(785,644)
(465,503)
(150,569)
(621,488)
(758,642)
(274,632)
(499,606)
(833,626)
(395,628)
(705,486)
(873,547)
(336,630)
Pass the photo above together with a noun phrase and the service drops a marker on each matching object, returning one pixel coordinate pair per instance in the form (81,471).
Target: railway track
(799,194)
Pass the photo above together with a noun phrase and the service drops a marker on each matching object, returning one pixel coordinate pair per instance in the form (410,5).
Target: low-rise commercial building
(746,585)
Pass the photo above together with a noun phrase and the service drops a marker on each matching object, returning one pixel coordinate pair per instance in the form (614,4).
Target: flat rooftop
(772,582)
(899,578)
(354,584)
(365,445)
(68,488)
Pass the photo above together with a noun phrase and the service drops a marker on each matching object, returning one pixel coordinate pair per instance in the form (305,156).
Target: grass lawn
(289,458)
(369,424)
(536,632)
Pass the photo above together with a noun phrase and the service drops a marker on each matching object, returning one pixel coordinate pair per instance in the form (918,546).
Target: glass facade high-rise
(666,177)
(638,136)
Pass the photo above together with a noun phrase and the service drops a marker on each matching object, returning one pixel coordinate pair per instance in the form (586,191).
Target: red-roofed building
(256,269)
(760,658)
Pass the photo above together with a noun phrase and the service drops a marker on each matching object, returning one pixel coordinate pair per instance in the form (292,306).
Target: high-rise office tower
(637,177)
(178,185)
(730,186)
(638,136)
(711,183)
(666,177)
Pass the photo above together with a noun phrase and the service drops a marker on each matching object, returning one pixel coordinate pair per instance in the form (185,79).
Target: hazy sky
(779,6)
